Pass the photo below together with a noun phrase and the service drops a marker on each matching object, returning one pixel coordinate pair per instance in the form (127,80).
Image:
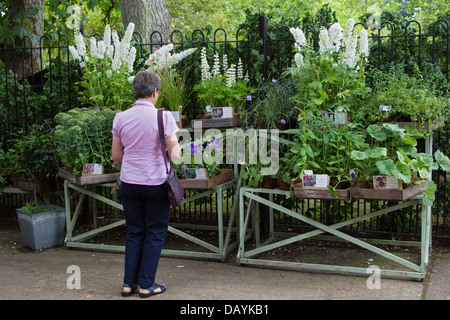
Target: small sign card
(92,168)
(222,113)
(315,181)
(196,173)
(386,182)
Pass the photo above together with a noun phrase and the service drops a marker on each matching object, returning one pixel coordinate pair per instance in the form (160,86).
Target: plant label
(223,113)
(92,169)
(196,173)
(386,182)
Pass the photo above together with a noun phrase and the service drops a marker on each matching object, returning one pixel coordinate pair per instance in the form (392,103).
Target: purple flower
(283,121)
(274,80)
(249,98)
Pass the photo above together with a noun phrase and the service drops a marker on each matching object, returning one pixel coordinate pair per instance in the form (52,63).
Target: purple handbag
(175,190)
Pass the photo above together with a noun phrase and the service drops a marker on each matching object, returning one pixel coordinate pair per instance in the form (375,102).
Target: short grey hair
(145,83)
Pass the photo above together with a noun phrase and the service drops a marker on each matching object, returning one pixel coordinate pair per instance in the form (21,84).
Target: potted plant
(274,105)
(333,76)
(41,226)
(403,99)
(34,159)
(223,86)
(106,66)
(391,151)
(83,136)
(202,164)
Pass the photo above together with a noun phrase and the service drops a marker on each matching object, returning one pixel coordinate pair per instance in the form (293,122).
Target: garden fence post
(263,21)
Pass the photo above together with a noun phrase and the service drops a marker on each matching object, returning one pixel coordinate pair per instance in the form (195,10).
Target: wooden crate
(319,193)
(388,194)
(217,123)
(107,177)
(42,186)
(221,177)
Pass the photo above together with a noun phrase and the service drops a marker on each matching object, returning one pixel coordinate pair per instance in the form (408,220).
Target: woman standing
(143,176)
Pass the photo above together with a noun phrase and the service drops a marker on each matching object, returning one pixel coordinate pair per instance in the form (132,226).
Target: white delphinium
(240,70)
(225,63)
(73,51)
(299,37)
(131,58)
(206,75)
(216,66)
(299,60)
(324,41)
(336,34)
(163,59)
(364,43)
(231,75)
(101,49)
(107,36)
(350,58)
(81,47)
(93,47)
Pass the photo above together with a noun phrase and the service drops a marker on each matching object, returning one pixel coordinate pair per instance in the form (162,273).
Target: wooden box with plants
(83,136)
(201,166)
(223,91)
(390,156)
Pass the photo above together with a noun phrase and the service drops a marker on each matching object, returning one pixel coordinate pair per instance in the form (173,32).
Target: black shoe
(154,289)
(134,288)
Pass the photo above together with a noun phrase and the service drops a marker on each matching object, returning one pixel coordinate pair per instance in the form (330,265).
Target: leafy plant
(409,98)
(223,85)
(84,136)
(274,102)
(107,67)
(333,76)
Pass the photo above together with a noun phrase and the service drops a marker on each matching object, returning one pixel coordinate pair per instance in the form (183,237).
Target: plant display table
(216,252)
(247,257)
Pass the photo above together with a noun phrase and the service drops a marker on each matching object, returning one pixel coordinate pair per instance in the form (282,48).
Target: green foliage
(34,153)
(273,102)
(411,98)
(84,136)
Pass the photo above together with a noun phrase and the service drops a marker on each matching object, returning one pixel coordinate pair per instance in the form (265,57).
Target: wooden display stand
(84,180)
(221,177)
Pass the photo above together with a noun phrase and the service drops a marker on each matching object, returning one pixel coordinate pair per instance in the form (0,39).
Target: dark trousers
(147,213)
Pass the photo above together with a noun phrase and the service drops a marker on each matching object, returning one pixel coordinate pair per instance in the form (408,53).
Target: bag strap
(161,137)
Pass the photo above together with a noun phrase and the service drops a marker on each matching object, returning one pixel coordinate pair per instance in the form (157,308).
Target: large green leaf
(387,167)
(442,160)
(376,132)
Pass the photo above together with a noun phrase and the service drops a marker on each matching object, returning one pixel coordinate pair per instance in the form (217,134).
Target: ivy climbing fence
(266,50)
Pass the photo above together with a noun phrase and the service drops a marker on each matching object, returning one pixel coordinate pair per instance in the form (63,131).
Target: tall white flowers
(112,52)
(341,46)
(163,59)
(231,73)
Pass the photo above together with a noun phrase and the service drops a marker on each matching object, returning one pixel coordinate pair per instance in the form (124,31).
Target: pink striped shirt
(137,128)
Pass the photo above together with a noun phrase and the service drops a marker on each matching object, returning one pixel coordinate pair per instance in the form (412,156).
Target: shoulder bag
(175,190)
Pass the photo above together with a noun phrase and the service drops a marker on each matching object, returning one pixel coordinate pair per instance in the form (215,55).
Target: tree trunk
(148,16)
(25,62)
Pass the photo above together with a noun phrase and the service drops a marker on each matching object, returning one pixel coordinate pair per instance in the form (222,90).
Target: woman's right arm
(173,148)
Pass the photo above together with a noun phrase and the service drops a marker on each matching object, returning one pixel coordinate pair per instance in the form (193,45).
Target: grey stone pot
(44,229)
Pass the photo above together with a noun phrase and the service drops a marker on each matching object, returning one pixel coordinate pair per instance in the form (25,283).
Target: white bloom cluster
(163,59)
(230,72)
(341,46)
(114,54)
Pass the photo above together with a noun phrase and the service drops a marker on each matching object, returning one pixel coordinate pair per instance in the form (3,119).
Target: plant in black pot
(41,225)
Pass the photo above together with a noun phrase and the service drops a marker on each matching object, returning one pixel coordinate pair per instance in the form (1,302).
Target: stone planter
(44,229)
